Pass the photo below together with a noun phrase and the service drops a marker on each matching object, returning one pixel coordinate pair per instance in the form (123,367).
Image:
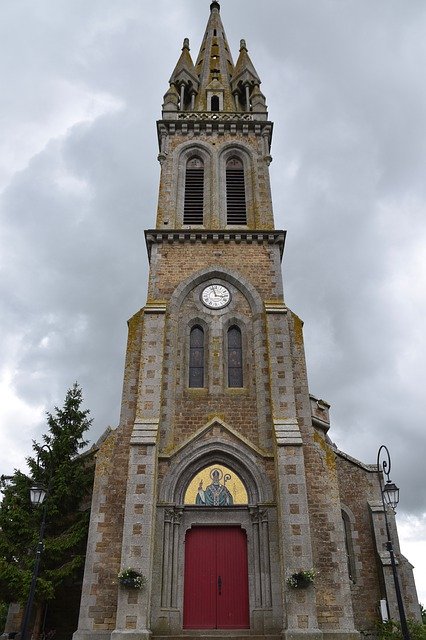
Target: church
(220,487)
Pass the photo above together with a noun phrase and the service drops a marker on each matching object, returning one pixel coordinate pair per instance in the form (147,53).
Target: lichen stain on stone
(105,454)
(298,329)
(133,325)
(330,459)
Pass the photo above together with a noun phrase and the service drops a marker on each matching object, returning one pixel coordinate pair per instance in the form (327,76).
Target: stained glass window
(235,357)
(196,357)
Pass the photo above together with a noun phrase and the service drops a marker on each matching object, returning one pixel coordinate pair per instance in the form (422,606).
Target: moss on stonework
(330,458)
(104,455)
(298,329)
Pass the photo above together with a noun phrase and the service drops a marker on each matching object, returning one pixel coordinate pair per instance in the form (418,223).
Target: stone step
(208,634)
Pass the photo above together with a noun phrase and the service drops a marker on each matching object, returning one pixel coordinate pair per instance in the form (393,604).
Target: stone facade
(309,505)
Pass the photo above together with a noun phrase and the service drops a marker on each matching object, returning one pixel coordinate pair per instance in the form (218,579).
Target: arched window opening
(216,486)
(236,213)
(214,103)
(194,192)
(349,546)
(196,357)
(235,357)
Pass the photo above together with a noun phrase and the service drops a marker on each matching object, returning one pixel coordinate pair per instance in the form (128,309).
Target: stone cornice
(192,236)
(208,123)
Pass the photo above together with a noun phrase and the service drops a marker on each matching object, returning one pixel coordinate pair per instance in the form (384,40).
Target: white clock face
(215,296)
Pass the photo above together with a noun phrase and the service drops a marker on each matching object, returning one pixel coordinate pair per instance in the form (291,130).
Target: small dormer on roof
(245,82)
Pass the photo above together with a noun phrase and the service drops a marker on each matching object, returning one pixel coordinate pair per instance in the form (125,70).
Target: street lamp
(390,497)
(37,495)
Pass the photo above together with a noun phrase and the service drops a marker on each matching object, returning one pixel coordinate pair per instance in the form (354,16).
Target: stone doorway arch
(213,445)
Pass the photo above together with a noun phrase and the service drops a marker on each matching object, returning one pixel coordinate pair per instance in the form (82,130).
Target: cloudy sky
(82,85)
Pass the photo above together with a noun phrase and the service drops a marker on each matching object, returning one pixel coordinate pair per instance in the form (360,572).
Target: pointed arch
(233,277)
(237,169)
(236,210)
(198,453)
(348,520)
(196,357)
(234,356)
(193,206)
(192,186)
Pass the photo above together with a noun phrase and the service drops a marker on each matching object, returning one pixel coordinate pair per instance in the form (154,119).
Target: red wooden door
(216,582)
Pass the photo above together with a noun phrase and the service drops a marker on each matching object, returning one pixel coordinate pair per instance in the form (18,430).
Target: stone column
(133,610)
(295,539)
(262,567)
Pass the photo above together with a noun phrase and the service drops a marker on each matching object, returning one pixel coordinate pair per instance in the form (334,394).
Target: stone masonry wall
(99,594)
(173,263)
(185,409)
(357,486)
(334,604)
(258,191)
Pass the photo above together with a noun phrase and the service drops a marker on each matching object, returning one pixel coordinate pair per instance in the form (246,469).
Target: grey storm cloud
(344,81)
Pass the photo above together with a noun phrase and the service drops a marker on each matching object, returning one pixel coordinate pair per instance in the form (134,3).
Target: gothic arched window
(236,213)
(196,357)
(193,206)
(235,357)
(349,545)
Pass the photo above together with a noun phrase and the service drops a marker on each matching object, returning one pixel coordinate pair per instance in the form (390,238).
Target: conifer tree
(68,476)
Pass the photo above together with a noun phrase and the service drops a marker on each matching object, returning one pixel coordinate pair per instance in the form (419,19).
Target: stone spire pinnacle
(214,84)
(214,66)
(183,82)
(245,81)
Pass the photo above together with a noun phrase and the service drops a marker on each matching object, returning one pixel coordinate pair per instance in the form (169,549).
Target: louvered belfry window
(235,192)
(194,192)
(235,357)
(196,357)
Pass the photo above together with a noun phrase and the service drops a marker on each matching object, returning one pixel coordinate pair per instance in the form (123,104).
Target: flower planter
(301,579)
(131,579)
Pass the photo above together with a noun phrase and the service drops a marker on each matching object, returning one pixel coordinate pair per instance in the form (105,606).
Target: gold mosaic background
(234,485)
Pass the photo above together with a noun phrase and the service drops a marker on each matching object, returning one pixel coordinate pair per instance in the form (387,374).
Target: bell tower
(214,140)
(220,484)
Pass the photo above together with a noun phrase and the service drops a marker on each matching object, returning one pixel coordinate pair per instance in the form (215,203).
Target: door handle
(219,585)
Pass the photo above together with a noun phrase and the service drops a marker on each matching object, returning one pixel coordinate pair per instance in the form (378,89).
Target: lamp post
(390,498)
(38,494)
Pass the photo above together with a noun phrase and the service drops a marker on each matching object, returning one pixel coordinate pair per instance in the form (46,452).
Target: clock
(215,296)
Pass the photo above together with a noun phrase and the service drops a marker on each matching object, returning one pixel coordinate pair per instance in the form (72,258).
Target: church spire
(215,67)
(214,84)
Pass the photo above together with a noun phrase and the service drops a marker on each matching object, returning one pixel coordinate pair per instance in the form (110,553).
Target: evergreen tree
(68,477)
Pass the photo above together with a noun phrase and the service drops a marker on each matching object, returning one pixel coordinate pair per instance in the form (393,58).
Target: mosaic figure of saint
(215,494)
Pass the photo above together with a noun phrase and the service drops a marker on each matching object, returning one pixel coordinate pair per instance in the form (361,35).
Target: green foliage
(68,479)
(302,579)
(3,615)
(391,630)
(131,579)
(423,613)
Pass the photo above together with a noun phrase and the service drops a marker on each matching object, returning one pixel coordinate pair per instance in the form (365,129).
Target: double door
(216,579)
